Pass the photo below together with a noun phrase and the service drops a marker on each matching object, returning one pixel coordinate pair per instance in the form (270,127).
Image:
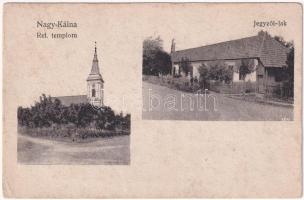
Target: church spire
(95,66)
(95,53)
(95,73)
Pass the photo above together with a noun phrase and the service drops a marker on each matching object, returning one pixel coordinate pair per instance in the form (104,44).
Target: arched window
(93,92)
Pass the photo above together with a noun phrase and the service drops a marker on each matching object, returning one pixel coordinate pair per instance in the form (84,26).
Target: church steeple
(95,83)
(95,66)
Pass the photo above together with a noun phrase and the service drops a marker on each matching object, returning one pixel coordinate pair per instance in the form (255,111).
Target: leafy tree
(155,59)
(287,74)
(204,72)
(48,112)
(281,40)
(186,67)
(290,71)
(215,71)
(247,67)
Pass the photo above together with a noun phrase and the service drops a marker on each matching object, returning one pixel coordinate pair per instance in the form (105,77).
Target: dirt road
(101,151)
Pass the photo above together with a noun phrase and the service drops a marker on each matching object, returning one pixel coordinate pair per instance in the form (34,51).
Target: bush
(51,113)
(70,133)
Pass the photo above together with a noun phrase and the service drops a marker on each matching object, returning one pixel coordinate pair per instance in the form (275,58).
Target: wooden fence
(281,91)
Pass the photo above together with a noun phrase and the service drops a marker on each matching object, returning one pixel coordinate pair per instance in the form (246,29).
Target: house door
(260,82)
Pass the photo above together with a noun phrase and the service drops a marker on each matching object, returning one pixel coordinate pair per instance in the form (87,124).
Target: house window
(242,76)
(243,71)
(93,92)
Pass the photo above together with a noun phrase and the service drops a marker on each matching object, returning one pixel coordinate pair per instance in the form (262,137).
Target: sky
(59,67)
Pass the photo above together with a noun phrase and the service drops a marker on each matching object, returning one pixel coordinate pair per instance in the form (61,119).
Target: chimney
(263,33)
(173,46)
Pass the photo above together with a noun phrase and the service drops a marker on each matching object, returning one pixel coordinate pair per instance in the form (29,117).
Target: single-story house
(267,56)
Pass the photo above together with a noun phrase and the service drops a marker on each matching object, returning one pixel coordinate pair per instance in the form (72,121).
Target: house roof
(270,52)
(68,100)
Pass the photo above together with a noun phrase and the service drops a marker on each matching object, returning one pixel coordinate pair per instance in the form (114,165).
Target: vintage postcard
(152,100)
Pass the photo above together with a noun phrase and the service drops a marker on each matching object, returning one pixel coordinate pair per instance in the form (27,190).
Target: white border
(125,1)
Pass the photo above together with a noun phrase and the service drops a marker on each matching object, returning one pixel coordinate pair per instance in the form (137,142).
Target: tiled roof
(68,100)
(270,52)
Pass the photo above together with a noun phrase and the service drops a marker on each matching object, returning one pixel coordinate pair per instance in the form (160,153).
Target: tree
(155,59)
(186,67)
(217,71)
(48,112)
(287,74)
(247,67)
(220,72)
(204,72)
(281,40)
(290,71)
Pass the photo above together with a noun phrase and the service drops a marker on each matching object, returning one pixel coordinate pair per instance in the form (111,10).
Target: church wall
(98,99)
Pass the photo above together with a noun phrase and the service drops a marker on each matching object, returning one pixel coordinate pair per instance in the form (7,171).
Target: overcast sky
(60,67)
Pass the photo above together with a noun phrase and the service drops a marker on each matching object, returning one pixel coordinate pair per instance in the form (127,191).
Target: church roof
(68,100)
(270,52)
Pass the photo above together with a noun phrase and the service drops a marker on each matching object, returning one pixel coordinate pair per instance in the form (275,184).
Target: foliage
(247,67)
(48,112)
(204,72)
(215,71)
(181,83)
(71,132)
(283,42)
(288,73)
(290,64)
(155,59)
(186,67)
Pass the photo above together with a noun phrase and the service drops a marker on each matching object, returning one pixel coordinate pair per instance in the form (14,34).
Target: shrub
(74,133)
(51,113)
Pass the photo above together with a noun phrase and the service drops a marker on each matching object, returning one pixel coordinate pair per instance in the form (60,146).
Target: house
(95,83)
(266,56)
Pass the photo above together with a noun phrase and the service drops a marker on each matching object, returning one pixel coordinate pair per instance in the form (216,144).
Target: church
(95,92)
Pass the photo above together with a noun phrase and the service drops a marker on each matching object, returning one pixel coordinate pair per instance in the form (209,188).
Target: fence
(181,83)
(280,91)
(232,88)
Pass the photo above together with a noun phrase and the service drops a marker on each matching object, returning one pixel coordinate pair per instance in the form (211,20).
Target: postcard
(152,100)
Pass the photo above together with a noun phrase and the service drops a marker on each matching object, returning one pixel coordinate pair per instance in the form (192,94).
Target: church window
(93,93)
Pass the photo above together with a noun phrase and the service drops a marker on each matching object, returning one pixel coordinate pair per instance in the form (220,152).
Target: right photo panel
(229,76)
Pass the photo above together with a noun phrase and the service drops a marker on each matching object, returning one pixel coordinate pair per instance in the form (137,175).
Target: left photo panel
(74,129)
(68,94)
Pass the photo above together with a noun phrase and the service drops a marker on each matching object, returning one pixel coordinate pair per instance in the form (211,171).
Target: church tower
(95,83)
